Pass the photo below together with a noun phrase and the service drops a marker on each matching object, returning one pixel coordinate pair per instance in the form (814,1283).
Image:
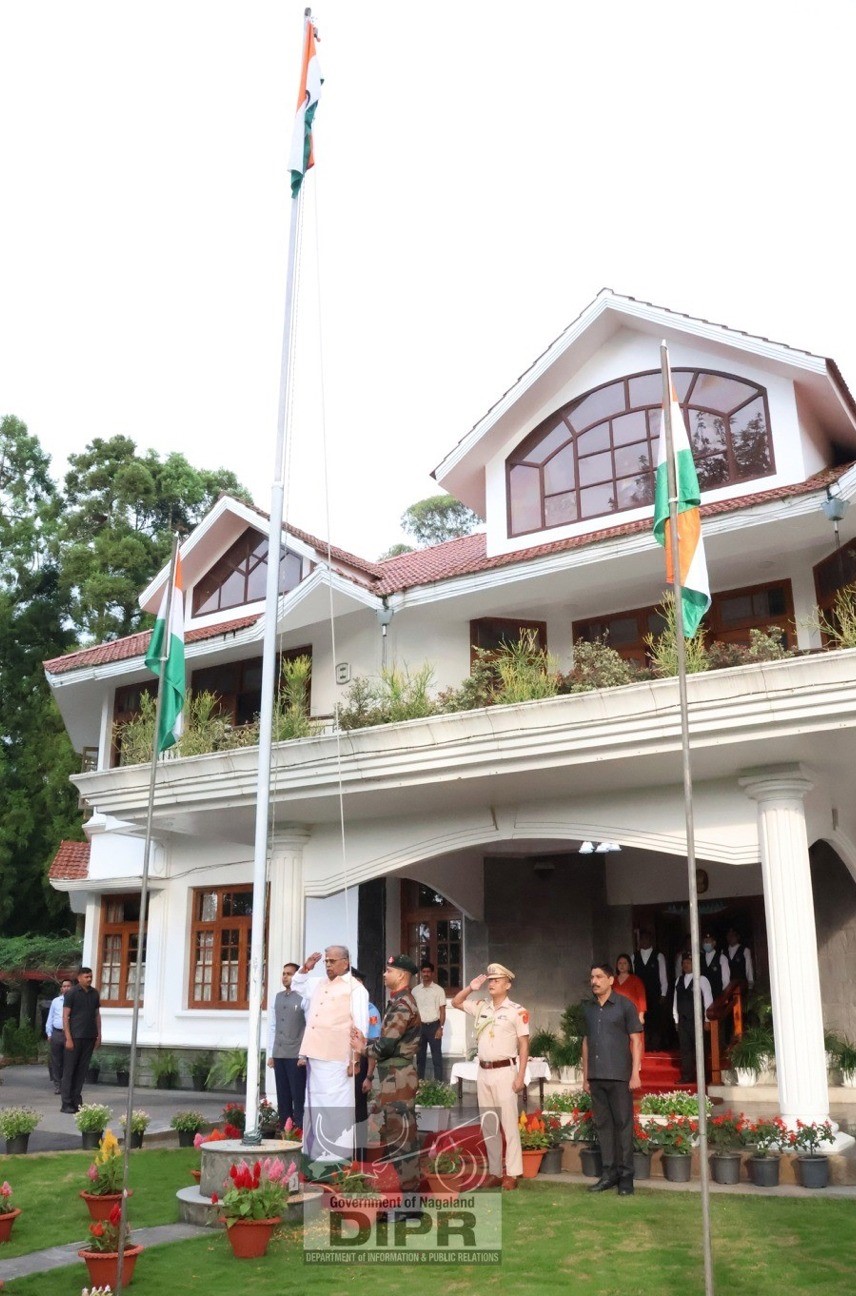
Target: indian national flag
(695,588)
(172,701)
(311,80)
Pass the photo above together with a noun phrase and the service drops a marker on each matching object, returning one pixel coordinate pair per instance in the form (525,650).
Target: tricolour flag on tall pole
(694,584)
(311,80)
(173,683)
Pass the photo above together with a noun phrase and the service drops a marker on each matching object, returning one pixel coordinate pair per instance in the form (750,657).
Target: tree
(439,517)
(394,551)
(121,509)
(28,504)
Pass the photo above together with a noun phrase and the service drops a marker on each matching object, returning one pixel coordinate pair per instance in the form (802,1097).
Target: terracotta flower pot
(7,1219)
(102,1266)
(196,1174)
(532,1158)
(250,1238)
(441,1186)
(100,1205)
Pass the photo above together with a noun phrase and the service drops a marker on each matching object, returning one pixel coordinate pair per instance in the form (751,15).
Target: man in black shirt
(81,1022)
(612,1056)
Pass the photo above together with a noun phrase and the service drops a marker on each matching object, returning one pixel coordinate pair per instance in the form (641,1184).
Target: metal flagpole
(690,829)
(141,928)
(252,1135)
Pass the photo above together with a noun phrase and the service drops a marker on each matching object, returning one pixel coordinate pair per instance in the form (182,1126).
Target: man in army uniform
(394,1055)
(502,1032)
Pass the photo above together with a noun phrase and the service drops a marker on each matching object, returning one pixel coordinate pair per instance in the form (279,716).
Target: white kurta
(328,1133)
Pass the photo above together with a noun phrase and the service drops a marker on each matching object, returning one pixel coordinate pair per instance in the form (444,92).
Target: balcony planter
(641,1165)
(102,1266)
(813,1171)
(591,1161)
(725,1167)
(764,1171)
(677,1168)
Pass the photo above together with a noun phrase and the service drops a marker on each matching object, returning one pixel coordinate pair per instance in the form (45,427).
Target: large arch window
(240,576)
(597,454)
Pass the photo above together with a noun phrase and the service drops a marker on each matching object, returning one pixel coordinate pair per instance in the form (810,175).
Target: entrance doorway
(670,925)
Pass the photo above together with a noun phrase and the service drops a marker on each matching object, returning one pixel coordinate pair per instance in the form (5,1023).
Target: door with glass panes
(432,930)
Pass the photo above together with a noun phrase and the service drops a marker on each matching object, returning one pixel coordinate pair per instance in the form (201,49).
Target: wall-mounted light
(834,507)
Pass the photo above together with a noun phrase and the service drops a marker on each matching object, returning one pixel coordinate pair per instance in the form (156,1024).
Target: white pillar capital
(289,839)
(777,783)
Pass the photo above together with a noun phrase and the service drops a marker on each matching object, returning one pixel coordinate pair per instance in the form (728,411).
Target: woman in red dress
(630,985)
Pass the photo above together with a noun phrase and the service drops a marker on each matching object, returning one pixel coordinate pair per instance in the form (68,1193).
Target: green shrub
(663,650)
(19,1043)
(393,696)
(542,1043)
(434,1093)
(596,666)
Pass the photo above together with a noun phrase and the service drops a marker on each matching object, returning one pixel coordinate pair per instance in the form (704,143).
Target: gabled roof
(135,646)
(71,862)
(461,472)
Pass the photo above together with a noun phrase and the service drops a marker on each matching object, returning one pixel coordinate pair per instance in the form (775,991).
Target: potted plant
(542,1043)
(120,1062)
(230,1070)
(678,1102)
(234,1120)
(200,1068)
(105,1179)
(812,1165)
(93,1071)
(187,1124)
(751,1054)
(253,1204)
(583,1130)
(847,1063)
(434,1103)
(643,1149)
(16,1126)
(566,1057)
(676,1139)
(91,1119)
(101,1253)
(767,1138)
(163,1065)
(140,1122)
(361,1191)
(563,1105)
(268,1119)
(441,1171)
(551,1162)
(8,1212)
(726,1135)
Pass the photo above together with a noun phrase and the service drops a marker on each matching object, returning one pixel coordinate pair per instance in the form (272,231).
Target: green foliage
(93,1118)
(566,1052)
(187,1122)
(439,517)
(434,1093)
(200,1069)
(28,953)
(541,1042)
(395,550)
(568,1101)
(393,696)
(662,648)
(229,1068)
(526,673)
(596,666)
(19,1043)
(753,1050)
(676,1103)
(840,626)
(15,1121)
(164,1068)
(573,1021)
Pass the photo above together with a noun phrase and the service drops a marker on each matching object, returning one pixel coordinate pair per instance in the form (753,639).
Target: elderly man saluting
(502,1032)
(333,1005)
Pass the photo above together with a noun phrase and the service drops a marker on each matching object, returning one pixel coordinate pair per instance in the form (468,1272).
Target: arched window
(597,454)
(241,574)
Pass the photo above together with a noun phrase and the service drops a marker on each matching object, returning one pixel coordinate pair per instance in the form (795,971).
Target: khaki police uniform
(497,1032)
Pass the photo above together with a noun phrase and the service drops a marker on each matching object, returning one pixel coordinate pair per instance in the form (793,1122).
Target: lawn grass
(556,1238)
(46,1187)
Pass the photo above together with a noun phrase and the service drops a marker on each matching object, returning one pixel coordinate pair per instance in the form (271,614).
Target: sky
(482,171)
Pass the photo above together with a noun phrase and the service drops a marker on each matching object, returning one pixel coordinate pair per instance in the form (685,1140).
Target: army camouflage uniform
(395,1051)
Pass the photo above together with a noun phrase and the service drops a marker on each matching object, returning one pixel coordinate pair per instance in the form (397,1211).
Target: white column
(792,940)
(286,915)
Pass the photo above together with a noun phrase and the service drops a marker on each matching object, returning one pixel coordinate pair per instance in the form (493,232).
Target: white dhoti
(328,1120)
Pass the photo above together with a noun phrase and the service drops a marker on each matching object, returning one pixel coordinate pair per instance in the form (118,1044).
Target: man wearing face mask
(714,965)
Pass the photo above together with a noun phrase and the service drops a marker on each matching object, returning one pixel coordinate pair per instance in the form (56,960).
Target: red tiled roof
(468,555)
(462,557)
(135,646)
(71,862)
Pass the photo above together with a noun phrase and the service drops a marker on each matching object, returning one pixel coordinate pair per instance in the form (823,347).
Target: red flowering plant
(642,1140)
(806,1140)
(104,1234)
(6,1204)
(257,1192)
(768,1137)
(727,1133)
(235,1120)
(292,1132)
(677,1136)
(533,1132)
(582,1127)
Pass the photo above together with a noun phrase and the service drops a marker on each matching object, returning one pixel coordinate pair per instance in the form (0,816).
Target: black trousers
(74,1070)
(290,1089)
(426,1041)
(686,1043)
(56,1057)
(612,1105)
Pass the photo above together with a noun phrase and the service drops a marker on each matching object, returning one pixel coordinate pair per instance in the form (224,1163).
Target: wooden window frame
(125,931)
(216,927)
(229,701)
(233,562)
(843,557)
(514,628)
(412,912)
(124,714)
(651,413)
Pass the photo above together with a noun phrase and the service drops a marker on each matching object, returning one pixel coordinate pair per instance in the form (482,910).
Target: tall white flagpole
(141,926)
(260,850)
(698,1019)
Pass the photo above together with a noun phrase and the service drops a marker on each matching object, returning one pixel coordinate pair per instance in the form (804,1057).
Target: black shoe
(625,1188)
(603,1185)
(68,1111)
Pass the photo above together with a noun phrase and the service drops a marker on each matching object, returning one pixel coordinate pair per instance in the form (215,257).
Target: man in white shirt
(333,1005)
(683,1014)
(431,1002)
(739,958)
(56,1035)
